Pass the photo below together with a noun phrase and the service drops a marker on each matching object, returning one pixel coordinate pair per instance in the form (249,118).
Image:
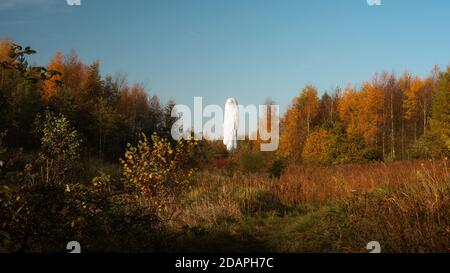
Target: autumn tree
(309,104)
(440,121)
(20,91)
(392,114)
(6,82)
(411,102)
(168,119)
(298,122)
(326,109)
(156,118)
(53,88)
(320,148)
(348,110)
(75,74)
(133,105)
(370,114)
(5,49)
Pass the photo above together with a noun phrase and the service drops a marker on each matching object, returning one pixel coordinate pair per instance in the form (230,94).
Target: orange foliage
(348,109)
(5,47)
(319,147)
(297,123)
(412,98)
(51,88)
(361,112)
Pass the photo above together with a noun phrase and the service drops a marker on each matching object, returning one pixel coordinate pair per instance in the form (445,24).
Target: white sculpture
(231,124)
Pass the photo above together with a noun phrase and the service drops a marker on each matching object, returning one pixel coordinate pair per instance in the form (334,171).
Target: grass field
(403,205)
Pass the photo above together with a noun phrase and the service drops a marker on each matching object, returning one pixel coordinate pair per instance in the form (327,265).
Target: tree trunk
(307,122)
(425,118)
(392,126)
(403,139)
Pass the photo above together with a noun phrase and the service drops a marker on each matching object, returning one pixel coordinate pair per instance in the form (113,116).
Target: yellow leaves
(102,181)
(411,102)
(129,155)
(318,148)
(297,122)
(156,168)
(348,109)
(361,112)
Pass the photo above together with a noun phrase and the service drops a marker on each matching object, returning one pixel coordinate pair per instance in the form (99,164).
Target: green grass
(317,230)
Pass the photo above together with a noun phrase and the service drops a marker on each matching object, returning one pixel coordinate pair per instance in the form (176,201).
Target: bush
(60,146)
(36,212)
(44,211)
(355,151)
(252,162)
(158,171)
(206,153)
(43,217)
(277,168)
(429,146)
(247,159)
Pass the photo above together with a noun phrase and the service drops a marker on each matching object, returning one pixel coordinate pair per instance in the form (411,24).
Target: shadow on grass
(201,241)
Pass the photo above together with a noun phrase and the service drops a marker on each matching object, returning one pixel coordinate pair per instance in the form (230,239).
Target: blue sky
(250,49)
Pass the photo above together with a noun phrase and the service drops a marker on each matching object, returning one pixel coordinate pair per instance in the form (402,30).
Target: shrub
(252,162)
(354,150)
(158,171)
(38,213)
(247,159)
(206,153)
(42,214)
(429,146)
(60,146)
(277,168)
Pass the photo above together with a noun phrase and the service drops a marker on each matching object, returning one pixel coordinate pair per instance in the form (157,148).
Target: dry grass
(304,185)
(405,205)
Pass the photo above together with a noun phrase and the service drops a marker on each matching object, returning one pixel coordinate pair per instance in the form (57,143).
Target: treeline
(107,111)
(388,118)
